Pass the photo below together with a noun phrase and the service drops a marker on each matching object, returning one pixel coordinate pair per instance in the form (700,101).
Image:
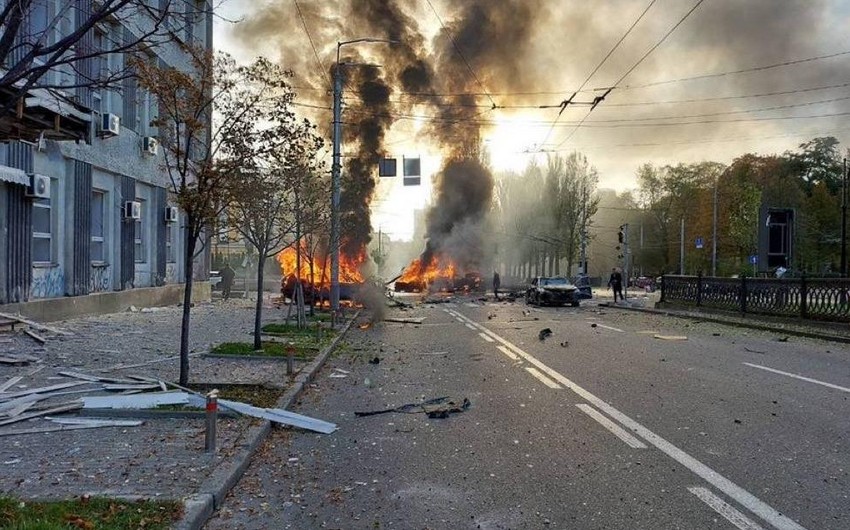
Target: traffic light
(620,234)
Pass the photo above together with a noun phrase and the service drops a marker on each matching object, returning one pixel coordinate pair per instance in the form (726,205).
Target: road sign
(754,259)
(699,242)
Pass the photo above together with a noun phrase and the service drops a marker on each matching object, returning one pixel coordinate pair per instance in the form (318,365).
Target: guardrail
(812,298)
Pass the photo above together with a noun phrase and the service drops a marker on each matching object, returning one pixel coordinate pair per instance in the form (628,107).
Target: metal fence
(813,298)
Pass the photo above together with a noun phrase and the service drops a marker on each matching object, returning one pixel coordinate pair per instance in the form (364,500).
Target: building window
(42,232)
(98,202)
(141,250)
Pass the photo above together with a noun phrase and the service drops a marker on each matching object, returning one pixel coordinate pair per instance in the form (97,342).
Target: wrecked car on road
(556,290)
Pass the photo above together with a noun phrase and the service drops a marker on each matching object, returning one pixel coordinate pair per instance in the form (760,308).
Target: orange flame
(437,268)
(317,271)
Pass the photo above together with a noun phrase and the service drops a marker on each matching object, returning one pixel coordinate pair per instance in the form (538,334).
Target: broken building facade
(84,195)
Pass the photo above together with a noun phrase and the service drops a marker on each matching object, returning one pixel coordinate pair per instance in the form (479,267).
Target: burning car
(555,290)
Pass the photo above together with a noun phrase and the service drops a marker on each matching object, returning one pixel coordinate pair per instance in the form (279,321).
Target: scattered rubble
(544,333)
(439,407)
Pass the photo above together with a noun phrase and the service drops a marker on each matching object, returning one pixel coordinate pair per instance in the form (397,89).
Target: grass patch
(270,349)
(88,513)
(257,395)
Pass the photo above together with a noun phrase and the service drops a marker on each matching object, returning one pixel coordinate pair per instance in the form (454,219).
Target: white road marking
(723,508)
(470,304)
(802,378)
(543,379)
(486,337)
(737,493)
(508,352)
(470,326)
(615,429)
(609,327)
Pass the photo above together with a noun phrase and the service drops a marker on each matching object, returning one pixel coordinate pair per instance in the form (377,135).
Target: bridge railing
(811,298)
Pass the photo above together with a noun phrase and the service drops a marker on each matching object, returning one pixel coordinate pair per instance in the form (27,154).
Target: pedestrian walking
(615,283)
(227,277)
(497,282)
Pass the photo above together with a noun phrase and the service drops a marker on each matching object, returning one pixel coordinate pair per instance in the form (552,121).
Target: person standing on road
(227,276)
(497,282)
(616,283)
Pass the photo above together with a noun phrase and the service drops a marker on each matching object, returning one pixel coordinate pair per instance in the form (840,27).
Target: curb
(761,326)
(198,508)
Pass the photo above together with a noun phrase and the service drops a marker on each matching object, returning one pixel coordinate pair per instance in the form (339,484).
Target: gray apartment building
(84,203)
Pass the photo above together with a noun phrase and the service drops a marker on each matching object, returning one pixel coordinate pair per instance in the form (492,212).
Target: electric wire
(312,45)
(598,66)
(457,49)
(630,70)
(741,71)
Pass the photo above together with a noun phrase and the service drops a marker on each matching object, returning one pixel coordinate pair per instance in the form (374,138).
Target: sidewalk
(832,331)
(164,458)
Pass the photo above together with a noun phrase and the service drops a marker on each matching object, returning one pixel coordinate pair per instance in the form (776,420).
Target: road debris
(375,360)
(9,384)
(18,359)
(34,325)
(670,337)
(439,407)
(565,344)
(35,336)
(544,333)
(782,339)
(404,320)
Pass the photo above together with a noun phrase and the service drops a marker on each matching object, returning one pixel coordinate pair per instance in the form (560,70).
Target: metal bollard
(212,418)
(290,360)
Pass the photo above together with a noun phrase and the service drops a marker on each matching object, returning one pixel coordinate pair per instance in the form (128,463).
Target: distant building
(84,197)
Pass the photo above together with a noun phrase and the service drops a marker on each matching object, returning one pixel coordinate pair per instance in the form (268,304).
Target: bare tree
(46,45)
(211,121)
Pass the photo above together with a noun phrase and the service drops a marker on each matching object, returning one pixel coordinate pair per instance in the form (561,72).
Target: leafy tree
(205,151)
(45,49)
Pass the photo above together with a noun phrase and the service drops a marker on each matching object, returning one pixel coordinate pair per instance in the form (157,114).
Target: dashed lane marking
(508,352)
(542,378)
(723,508)
(800,377)
(486,337)
(732,490)
(615,429)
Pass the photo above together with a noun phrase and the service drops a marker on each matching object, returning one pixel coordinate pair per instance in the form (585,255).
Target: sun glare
(512,141)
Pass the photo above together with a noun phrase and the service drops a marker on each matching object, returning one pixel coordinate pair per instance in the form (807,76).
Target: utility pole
(336,169)
(844,220)
(583,246)
(682,248)
(714,234)
(626,256)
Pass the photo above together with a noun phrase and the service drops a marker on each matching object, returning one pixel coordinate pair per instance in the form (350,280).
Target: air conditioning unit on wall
(110,125)
(39,186)
(150,145)
(132,210)
(171,214)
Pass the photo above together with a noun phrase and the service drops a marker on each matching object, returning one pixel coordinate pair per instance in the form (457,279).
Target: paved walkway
(163,458)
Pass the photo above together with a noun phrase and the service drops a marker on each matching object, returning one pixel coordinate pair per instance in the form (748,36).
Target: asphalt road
(599,426)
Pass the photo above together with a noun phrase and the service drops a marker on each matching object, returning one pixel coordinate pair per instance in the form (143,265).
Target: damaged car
(556,290)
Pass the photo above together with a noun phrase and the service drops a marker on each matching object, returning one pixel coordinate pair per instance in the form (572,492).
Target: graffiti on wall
(171,273)
(47,282)
(100,279)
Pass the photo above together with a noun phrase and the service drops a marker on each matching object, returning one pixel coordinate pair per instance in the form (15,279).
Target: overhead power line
(630,70)
(742,71)
(726,98)
(460,53)
(566,102)
(310,38)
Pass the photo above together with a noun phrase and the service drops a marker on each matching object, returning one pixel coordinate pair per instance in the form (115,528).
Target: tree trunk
(258,309)
(191,241)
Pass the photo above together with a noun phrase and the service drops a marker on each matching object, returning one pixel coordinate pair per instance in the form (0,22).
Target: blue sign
(754,259)
(699,242)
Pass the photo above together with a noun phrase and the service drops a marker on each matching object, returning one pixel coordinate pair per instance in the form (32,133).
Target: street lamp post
(336,171)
